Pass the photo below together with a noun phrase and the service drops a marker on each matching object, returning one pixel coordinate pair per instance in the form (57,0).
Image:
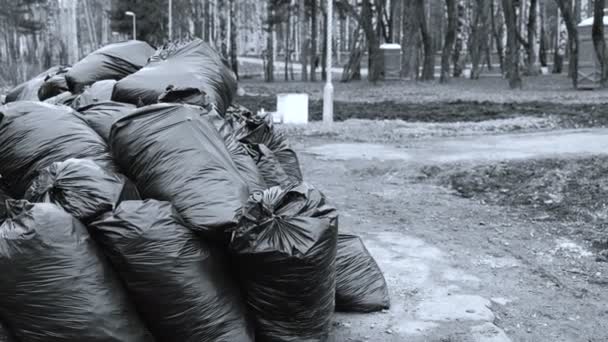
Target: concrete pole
(170,20)
(134,27)
(328,92)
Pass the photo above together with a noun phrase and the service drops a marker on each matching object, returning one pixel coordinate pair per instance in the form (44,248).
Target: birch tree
(462,38)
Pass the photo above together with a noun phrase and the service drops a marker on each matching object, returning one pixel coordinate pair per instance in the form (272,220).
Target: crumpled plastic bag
(28,91)
(53,85)
(269,167)
(360,284)
(98,92)
(33,135)
(191,65)
(173,154)
(285,250)
(259,130)
(82,188)
(111,62)
(56,284)
(182,286)
(241,155)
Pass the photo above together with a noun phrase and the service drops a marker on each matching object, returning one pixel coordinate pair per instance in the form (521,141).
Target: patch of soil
(570,115)
(571,190)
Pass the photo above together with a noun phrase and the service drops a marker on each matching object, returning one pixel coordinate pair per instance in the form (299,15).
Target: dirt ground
(475,249)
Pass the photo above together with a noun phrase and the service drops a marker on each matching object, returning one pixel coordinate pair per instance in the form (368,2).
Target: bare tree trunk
(352,69)
(269,70)
(313,41)
(533,39)
(479,36)
(567,13)
(428,68)
(324,47)
(409,39)
(287,38)
(223,21)
(542,55)
(512,61)
(561,44)
(450,37)
(207,21)
(304,23)
(497,28)
(234,31)
(598,39)
(373,43)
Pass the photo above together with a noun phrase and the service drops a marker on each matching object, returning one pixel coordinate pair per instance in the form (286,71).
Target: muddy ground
(477,249)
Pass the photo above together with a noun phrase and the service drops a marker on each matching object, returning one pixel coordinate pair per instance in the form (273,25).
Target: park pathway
(458,270)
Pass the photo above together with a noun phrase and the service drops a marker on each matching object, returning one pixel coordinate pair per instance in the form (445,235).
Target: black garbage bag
(241,155)
(33,135)
(5,334)
(269,167)
(193,65)
(28,91)
(360,284)
(4,196)
(180,284)
(56,284)
(173,154)
(285,250)
(63,99)
(82,188)
(53,85)
(98,92)
(101,116)
(111,62)
(254,129)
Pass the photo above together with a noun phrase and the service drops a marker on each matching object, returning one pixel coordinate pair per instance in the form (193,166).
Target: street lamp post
(328,91)
(132,14)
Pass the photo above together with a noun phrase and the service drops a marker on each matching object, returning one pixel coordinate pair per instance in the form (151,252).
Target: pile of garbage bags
(138,203)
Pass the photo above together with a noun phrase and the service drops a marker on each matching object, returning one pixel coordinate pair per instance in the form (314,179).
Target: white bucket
(466,73)
(293,108)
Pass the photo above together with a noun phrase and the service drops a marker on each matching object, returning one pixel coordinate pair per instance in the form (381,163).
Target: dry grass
(549,88)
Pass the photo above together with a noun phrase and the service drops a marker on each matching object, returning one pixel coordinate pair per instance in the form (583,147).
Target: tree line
(517,37)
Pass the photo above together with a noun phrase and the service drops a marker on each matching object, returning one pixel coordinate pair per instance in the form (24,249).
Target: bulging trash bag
(111,62)
(33,135)
(98,92)
(101,116)
(28,91)
(360,284)
(180,284)
(285,250)
(56,285)
(173,154)
(63,99)
(193,65)
(269,167)
(53,85)
(81,187)
(3,198)
(5,334)
(253,129)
